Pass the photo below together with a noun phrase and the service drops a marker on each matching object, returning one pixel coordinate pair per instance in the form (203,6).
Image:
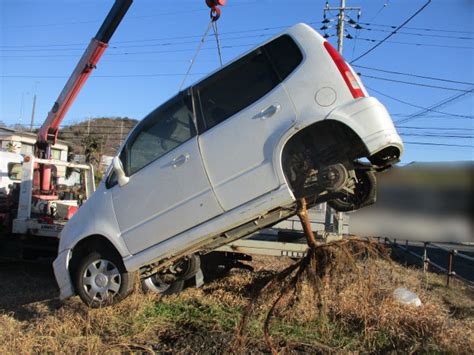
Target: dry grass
(344,289)
(355,312)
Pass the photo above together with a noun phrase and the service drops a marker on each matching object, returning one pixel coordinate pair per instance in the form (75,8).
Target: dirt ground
(24,284)
(32,319)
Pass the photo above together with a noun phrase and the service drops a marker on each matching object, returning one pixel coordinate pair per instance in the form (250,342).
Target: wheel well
(90,244)
(318,145)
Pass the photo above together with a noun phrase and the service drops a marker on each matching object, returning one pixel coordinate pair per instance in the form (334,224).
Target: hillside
(107,133)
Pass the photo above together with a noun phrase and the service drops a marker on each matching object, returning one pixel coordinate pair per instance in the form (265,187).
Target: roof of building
(27,134)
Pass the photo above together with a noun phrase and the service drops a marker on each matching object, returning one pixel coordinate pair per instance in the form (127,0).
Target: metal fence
(451,254)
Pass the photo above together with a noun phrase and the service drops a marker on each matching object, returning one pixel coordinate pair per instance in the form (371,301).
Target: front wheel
(101,280)
(365,191)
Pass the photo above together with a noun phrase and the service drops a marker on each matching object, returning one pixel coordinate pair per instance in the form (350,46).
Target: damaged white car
(224,158)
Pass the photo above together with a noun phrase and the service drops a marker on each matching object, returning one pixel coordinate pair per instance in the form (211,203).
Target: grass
(360,316)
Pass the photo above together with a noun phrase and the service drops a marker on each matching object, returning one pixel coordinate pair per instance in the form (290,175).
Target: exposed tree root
(322,262)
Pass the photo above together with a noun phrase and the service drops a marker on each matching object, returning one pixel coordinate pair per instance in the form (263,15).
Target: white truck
(31,221)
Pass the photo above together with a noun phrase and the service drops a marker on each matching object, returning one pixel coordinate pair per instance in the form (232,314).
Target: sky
(427,62)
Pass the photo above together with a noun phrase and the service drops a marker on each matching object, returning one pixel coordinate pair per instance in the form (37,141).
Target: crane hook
(215,10)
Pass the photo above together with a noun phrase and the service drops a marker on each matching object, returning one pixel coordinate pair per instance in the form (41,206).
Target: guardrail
(452,253)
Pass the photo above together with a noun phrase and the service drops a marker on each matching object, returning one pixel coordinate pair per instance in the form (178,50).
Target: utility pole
(34,108)
(33,114)
(340,27)
(340,20)
(334,221)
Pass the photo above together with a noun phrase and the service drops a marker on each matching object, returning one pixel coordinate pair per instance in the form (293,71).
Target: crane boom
(48,132)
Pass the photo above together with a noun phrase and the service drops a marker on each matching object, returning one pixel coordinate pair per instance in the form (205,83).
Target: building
(23,143)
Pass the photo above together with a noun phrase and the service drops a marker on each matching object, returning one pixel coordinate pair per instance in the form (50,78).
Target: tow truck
(35,208)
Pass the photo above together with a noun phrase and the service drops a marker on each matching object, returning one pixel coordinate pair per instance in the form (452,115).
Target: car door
(245,110)
(168,191)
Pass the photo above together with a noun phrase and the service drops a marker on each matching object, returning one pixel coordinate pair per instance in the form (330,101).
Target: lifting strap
(196,54)
(216,33)
(215,14)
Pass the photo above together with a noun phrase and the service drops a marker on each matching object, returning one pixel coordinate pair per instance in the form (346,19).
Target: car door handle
(180,160)
(268,112)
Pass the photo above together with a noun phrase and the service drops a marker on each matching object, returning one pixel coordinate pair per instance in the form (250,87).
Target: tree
(92,149)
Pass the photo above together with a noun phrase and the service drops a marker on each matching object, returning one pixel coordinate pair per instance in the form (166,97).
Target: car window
(235,87)
(284,54)
(161,131)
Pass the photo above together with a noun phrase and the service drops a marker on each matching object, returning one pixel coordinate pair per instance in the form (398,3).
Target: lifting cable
(216,34)
(215,14)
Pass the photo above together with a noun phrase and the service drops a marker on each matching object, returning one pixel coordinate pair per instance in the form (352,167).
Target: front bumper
(61,272)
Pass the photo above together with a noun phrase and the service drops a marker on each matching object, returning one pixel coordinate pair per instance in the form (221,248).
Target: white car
(224,158)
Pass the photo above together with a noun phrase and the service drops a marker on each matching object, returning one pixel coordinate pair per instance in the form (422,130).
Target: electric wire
(392,33)
(415,84)
(413,75)
(441,103)
(417,44)
(419,34)
(440,144)
(417,28)
(417,106)
(437,128)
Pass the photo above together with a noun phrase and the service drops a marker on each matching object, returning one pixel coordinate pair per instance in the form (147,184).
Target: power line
(437,135)
(128,18)
(128,53)
(434,106)
(417,106)
(417,28)
(415,84)
(393,32)
(440,144)
(416,44)
(164,44)
(159,38)
(413,75)
(97,76)
(437,128)
(419,34)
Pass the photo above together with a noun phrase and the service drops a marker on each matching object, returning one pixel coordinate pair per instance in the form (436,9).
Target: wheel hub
(333,177)
(101,280)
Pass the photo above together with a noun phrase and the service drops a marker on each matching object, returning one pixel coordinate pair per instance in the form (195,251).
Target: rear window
(234,88)
(284,54)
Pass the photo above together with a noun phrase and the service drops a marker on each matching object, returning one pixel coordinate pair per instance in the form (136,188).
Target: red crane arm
(48,132)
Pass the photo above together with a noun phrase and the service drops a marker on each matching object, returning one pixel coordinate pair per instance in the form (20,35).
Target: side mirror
(118,168)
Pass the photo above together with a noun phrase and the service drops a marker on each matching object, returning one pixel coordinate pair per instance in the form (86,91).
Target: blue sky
(41,42)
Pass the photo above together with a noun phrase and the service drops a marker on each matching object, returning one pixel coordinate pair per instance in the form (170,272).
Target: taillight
(351,81)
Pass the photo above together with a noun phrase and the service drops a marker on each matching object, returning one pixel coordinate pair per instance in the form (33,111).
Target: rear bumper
(61,272)
(369,119)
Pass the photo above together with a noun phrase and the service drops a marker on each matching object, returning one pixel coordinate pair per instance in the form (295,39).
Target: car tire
(365,193)
(101,280)
(156,284)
